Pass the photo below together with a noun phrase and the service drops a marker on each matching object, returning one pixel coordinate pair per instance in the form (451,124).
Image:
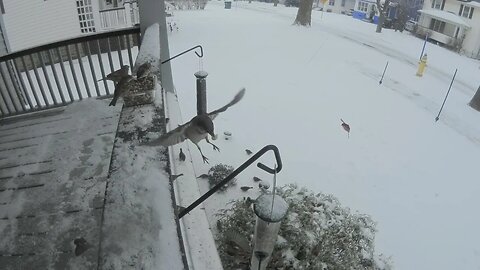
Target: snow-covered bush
(219,172)
(318,233)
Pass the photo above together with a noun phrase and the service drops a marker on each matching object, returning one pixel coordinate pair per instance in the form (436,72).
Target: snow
(198,240)
(139,188)
(270,209)
(446,16)
(416,177)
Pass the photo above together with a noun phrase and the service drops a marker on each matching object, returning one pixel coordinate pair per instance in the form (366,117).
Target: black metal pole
(201,92)
(237,172)
(424,44)
(381,80)
(446,96)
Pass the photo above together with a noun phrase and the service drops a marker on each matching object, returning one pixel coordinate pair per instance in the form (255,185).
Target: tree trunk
(381,20)
(304,14)
(475,102)
(382,11)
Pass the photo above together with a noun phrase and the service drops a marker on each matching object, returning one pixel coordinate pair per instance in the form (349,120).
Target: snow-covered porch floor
(76,193)
(53,171)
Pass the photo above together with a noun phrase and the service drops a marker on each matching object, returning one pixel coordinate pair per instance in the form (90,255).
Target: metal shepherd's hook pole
(446,96)
(381,80)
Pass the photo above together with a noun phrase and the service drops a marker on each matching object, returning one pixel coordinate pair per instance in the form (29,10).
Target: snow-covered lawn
(416,177)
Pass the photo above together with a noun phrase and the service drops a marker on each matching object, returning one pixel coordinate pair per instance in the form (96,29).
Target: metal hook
(277,158)
(236,172)
(184,52)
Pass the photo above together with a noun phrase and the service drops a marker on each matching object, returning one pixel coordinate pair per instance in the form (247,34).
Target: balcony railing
(122,17)
(59,73)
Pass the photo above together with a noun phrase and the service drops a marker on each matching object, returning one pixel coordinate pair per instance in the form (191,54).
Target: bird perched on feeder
(181,156)
(346,127)
(120,89)
(144,70)
(117,75)
(196,129)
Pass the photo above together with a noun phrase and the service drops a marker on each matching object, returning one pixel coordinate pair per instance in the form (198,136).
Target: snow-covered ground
(416,177)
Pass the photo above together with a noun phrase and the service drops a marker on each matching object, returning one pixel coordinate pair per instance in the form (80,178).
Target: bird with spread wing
(196,129)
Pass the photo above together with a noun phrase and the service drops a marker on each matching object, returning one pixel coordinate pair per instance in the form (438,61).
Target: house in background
(25,23)
(398,9)
(28,24)
(453,23)
(339,6)
(365,10)
(413,7)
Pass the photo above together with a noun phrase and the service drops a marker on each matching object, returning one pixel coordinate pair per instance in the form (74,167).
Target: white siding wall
(471,44)
(31,23)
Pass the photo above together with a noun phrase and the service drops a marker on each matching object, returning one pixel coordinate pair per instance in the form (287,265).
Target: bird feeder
(201,92)
(270,210)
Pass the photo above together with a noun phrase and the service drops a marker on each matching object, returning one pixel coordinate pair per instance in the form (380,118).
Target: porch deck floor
(53,171)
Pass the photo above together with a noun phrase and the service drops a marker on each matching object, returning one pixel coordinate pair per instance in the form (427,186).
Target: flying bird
(120,89)
(196,129)
(248,152)
(346,127)
(144,70)
(117,75)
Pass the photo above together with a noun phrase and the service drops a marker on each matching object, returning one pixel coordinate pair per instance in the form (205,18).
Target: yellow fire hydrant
(421,65)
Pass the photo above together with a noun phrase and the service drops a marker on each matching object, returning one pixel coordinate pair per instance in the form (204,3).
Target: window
(85,16)
(331,2)
(438,4)
(466,12)
(363,6)
(437,26)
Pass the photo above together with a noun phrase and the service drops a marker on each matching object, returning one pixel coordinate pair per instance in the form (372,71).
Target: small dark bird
(120,89)
(256,179)
(248,152)
(144,70)
(117,75)
(81,245)
(346,127)
(173,177)
(181,156)
(245,188)
(264,185)
(196,129)
(203,176)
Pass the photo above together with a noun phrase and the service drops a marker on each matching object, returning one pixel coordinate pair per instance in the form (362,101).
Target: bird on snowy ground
(181,156)
(117,75)
(346,127)
(196,129)
(120,89)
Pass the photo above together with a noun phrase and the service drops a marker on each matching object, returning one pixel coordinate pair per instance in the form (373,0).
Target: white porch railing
(122,17)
